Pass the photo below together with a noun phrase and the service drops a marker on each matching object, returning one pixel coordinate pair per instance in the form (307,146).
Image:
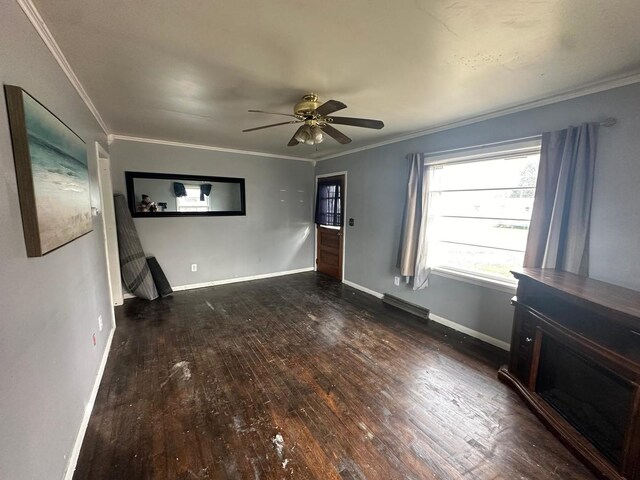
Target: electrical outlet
(396,281)
(100,322)
(194,267)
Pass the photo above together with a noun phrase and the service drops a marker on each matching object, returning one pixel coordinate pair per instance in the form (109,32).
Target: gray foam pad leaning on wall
(159,278)
(133,263)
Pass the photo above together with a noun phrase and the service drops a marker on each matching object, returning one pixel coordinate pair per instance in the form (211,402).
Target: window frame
(499,150)
(192,186)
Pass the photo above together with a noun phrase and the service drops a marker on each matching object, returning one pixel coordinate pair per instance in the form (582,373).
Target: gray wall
(48,306)
(225,197)
(275,235)
(377,184)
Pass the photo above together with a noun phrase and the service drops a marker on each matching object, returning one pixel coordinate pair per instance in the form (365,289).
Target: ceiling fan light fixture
(317,134)
(303,134)
(309,135)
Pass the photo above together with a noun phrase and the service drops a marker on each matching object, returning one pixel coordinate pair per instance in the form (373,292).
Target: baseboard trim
(75,452)
(469,331)
(226,281)
(241,279)
(443,321)
(363,289)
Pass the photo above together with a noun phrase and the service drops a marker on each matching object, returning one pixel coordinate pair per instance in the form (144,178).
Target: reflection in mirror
(160,194)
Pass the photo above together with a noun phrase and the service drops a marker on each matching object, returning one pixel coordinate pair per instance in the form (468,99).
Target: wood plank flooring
(302,377)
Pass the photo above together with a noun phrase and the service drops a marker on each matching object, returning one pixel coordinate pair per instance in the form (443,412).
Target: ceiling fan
(316,120)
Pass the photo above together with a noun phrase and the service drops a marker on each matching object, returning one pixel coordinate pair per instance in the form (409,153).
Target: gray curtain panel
(559,231)
(412,249)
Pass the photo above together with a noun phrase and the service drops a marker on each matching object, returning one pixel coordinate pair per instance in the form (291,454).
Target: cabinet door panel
(522,344)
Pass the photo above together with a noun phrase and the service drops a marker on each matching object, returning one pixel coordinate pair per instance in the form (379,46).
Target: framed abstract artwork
(52,175)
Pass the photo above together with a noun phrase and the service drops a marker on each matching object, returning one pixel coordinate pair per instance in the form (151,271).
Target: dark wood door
(329,255)
(330,234)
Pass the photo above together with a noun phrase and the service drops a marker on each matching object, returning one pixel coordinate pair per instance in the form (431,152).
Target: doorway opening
(109,225)
(331,193)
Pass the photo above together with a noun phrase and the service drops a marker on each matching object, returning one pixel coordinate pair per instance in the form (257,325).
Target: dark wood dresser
(575,360)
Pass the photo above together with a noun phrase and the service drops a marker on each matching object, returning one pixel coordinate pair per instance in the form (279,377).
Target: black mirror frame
(131,200)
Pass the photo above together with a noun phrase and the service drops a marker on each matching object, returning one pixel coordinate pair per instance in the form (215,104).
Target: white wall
(377,185)
(49,305)
(276,234)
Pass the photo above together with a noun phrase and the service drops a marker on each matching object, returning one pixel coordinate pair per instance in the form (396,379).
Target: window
(329,203)
(479,211)
(192,202)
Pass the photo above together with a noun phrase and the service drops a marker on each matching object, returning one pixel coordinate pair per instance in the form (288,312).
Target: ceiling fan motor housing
(307,105)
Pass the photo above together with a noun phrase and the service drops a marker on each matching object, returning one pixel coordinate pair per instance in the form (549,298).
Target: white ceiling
(188,71)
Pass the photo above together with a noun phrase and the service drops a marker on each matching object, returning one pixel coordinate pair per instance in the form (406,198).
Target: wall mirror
(174,195)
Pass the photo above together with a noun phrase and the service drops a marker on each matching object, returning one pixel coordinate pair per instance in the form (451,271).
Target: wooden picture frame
(52,175)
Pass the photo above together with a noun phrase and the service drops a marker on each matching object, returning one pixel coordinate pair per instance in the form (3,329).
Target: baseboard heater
(408,307)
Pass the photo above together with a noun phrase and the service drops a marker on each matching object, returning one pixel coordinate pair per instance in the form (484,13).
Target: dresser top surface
(612,297)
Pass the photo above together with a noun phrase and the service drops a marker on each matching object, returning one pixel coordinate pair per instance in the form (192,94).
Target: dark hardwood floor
(302,377)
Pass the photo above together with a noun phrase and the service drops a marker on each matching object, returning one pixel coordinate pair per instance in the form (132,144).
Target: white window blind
(480,205)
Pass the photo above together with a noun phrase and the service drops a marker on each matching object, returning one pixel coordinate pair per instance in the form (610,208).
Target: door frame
(108,228)
(344,216)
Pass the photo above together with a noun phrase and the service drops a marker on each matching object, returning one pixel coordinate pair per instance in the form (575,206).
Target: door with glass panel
(330,224)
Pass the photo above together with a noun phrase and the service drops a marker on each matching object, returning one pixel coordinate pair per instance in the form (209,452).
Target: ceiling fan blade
(269,126)
(336,134)
(293,142)
(329,107)
(356,122)
(273,113)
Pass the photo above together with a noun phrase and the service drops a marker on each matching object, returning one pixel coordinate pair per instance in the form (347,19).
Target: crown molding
(38,23)
(588,89)
(128,138)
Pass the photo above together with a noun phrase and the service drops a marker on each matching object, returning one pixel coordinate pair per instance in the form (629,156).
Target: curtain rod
(607,122)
